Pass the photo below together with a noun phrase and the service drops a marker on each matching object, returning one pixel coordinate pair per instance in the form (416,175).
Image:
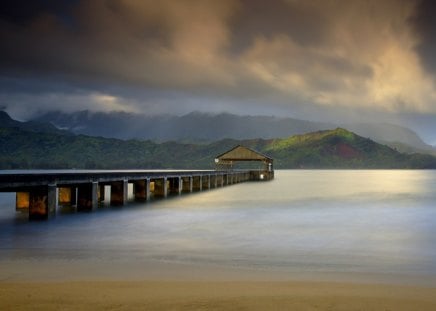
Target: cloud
(24,106)
(424,24)
(341,55)
(166,43)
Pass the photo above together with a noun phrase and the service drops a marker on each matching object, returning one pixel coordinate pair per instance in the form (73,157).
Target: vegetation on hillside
(339,148)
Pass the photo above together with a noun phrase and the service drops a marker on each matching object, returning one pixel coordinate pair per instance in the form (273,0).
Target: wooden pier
(41,193)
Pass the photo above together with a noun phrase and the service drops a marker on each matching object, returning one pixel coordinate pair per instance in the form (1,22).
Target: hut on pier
(228,159)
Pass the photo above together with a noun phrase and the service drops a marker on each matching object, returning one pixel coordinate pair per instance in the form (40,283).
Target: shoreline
(158,285)
(63,270)
(212,295)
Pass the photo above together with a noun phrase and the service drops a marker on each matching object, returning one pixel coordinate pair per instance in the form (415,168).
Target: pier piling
(87,196)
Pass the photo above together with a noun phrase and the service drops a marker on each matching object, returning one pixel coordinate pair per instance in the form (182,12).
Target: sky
(321,60)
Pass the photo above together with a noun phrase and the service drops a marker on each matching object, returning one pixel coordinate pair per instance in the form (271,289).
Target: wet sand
(73,285)
(210,295)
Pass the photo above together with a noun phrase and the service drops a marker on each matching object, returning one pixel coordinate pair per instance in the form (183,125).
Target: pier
(41,193)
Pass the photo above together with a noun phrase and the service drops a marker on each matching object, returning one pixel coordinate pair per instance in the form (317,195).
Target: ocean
(326,224)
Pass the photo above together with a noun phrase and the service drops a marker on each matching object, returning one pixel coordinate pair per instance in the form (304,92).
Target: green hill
(339,148)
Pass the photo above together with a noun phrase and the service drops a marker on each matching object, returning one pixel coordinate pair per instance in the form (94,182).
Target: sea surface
(331,223)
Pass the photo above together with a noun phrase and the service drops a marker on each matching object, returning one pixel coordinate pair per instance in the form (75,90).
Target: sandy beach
(188,295)
(87,285)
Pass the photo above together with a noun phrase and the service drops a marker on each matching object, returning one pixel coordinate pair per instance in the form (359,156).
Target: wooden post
(180,186)
(141,189)
(52,199)
(147,189)
(43,202)
(186,184)
(175,185)
(205,183)
(101,194)
(87,196)
(38,207)
(119,191)
(73,196)
(197,183)
(161,187)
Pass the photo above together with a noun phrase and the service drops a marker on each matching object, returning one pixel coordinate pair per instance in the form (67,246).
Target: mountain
(34,126)
(202,127)
(341,148)
(390,134)
(22,149)
(194,126)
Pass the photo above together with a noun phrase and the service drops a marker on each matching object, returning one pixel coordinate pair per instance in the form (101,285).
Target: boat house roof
(241,153)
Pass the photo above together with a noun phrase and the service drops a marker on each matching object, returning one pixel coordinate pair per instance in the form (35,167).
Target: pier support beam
(175,185)
(119,191)
(141,190)
(161,187)
(148,189)
(101,193)
(180,190)
(43,202)
(187,184)
(205,182)
(196,183)
(213,181)
(73,196)
(52,194)
(87,197)
(38,207)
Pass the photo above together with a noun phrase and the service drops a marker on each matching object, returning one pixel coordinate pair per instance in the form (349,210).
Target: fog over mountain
(206,127)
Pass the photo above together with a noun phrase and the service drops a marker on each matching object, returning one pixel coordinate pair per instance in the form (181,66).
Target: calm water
(369,222)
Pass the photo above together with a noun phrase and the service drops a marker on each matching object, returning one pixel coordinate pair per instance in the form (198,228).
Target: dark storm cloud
(425,24)
(260,18)
(238,55)
(22,12)
(133,42)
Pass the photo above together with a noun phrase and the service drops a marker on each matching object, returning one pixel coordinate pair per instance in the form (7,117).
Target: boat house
(227,161)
